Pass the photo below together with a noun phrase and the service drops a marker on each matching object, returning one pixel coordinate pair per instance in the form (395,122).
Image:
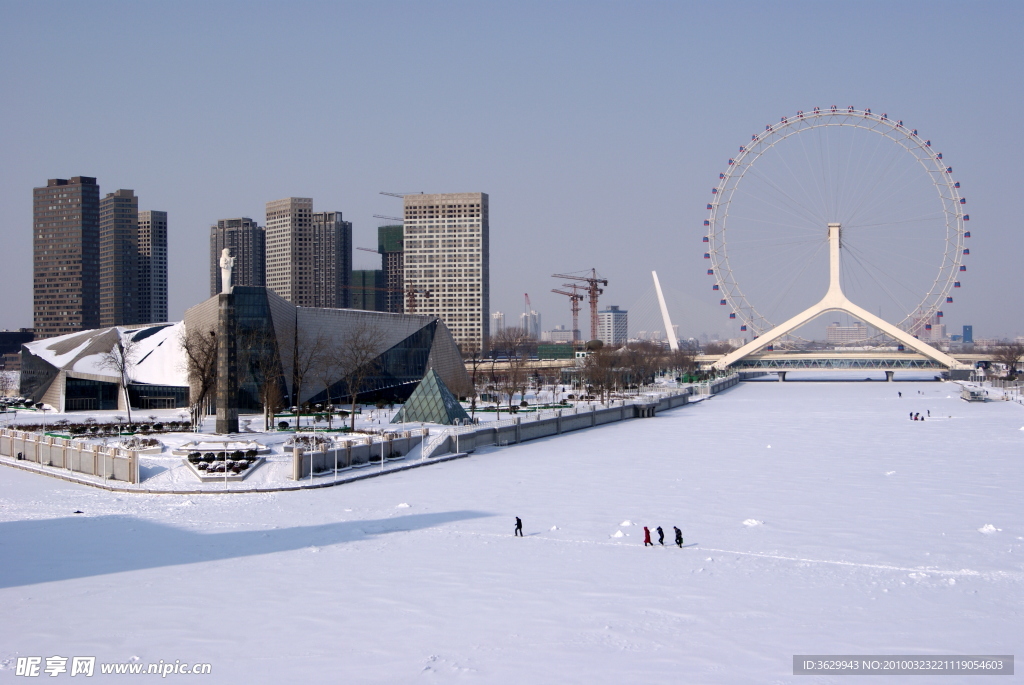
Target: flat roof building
(447,263)
(65,261)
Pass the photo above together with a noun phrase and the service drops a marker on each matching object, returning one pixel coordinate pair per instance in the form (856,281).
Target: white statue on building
(227,263)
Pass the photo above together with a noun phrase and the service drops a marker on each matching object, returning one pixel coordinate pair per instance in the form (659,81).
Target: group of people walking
(916,416)
(518,532)
(661,537)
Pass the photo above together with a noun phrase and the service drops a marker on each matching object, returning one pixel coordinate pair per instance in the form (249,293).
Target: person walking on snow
(679,537)
(647,537)
(899,393)
(519,527)
(661,536)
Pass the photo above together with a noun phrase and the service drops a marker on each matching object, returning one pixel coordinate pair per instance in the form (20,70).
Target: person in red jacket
(647,537)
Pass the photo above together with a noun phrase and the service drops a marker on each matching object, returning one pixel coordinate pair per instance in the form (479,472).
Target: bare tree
(718,347)
(200,349)
(1010,355)
(121,359)
(513,343)
(8,382)
(600,371)
(261,365)
(310,349)
(359,358)
(683,360)
(474,360)
(642,360)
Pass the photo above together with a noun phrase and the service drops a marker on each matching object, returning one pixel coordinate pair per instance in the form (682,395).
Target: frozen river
(817,519)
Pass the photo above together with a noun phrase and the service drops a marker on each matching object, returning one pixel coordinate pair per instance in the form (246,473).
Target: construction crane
(574,298)
(593,290)
(399,194)
(366,249)
(389,218)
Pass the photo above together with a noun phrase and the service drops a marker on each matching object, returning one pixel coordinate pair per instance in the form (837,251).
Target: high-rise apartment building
(119,258)
(447,246)
(247,242)
(309,256)
(65,245)
(152,266)
(530,323)
(968,336)
(613,326)
(392,259)
(331,257)
(497,322)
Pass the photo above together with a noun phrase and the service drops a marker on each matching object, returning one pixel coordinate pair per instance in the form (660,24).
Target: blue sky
(598,129)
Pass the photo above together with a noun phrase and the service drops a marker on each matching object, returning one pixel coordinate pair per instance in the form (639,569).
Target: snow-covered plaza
(817,519)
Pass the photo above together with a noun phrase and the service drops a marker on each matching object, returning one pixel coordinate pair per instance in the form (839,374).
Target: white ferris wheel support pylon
(673,344)
(836,300)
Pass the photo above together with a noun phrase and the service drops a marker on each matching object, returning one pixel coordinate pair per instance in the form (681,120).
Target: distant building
(447,262)
(152,266)
(613,326)
(530,322)
(558,334)
(968,334)
(497,322)
(368,291)
(836,334)
(10,347)
(65,263)
(309,256)
(119,259)
(247,242)
(392,259)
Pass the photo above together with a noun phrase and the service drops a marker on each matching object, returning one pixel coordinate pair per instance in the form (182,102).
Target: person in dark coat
(519,527)
(647,537)
(661,536)
(679,537)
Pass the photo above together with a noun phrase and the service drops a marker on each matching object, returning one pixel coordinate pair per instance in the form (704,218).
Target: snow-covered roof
(159,359)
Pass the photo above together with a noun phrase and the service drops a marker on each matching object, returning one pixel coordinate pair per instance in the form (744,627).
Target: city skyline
(592,147)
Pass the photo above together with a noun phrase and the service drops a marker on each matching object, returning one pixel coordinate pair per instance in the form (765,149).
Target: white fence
(113,463)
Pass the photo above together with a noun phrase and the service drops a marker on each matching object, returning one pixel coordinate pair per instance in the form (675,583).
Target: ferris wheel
(901,213)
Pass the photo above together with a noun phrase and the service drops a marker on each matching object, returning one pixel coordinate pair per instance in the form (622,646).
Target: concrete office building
(447,247)
(613,326)
(837,334)
(392,259)
(309,257)
(247,242)
(65,262)
(152,266)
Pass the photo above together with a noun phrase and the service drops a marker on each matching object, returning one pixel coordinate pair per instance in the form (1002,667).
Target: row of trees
(605,369)
(319,361)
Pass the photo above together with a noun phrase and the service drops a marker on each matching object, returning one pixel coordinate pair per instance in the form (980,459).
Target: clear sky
(598,129)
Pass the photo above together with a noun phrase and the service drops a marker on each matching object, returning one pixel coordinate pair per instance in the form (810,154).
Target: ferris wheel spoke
(808,211)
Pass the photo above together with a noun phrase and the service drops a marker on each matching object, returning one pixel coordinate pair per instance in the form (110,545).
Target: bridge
(889,361)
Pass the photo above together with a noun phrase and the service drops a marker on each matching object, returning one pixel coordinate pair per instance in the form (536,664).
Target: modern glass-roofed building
(274,340)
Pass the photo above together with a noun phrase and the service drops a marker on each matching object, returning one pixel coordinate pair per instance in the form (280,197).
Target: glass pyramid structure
(431,402)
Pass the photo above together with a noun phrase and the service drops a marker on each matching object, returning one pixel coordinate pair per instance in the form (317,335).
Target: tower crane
(594,281)
(575,297)
(389,218)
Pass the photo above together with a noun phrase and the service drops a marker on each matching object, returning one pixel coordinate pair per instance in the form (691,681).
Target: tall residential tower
(65,245)
(309,256)
(119,258)
(152,266)
(447,263)
(247,242)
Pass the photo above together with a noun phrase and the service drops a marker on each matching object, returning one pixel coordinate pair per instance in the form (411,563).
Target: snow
(340,584)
